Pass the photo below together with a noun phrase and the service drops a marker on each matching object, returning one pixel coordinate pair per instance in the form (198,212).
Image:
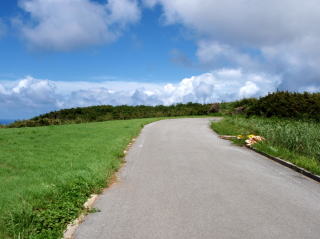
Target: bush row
(282,104)
(108,112)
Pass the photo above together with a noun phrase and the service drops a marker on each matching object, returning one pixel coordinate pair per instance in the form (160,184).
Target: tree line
(108,112)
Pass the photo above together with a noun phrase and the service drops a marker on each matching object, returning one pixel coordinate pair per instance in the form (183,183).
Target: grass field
(293,140)
(47,173)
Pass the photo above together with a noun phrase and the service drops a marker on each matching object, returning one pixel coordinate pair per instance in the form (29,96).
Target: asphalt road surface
(182,182)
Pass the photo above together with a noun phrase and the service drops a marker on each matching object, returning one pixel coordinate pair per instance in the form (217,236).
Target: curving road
(182,182)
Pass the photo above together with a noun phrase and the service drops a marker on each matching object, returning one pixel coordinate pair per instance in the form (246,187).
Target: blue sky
(148,40)
(67,53)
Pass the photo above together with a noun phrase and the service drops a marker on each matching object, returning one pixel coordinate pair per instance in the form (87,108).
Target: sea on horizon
(6,121)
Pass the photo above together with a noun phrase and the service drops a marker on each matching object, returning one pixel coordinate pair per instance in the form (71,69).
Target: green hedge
(287,105)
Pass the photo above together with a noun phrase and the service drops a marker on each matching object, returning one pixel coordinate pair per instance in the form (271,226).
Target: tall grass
(295,140)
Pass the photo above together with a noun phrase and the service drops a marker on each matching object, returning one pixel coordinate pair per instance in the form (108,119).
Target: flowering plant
(251,139)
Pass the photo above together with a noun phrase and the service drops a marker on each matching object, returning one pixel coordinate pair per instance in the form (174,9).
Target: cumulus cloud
(261,22)
(29,96)
(217,55)
(220,85)
(279,37)
(123,11)
(248,90)
(68,24)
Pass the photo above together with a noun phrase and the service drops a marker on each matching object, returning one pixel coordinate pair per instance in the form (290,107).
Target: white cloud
(250,89)
(67,87)
(2,90)
(220,85)
(29,96)
(217,55)
(67,24)
(279,37)
(253,22)
(123,11)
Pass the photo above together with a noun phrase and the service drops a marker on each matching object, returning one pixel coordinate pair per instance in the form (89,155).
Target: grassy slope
(46,173)
(293,140)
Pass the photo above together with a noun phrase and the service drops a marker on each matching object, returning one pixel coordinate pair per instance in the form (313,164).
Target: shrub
(287,105)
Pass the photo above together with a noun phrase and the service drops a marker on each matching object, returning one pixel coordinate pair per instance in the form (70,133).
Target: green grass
(296,141)
(47,173)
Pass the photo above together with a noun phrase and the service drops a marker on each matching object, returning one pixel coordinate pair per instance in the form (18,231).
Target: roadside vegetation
(288,121)
(293,140)
(282,104)
(47,173)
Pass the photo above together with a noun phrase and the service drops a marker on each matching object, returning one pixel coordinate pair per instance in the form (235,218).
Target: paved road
(182,182)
